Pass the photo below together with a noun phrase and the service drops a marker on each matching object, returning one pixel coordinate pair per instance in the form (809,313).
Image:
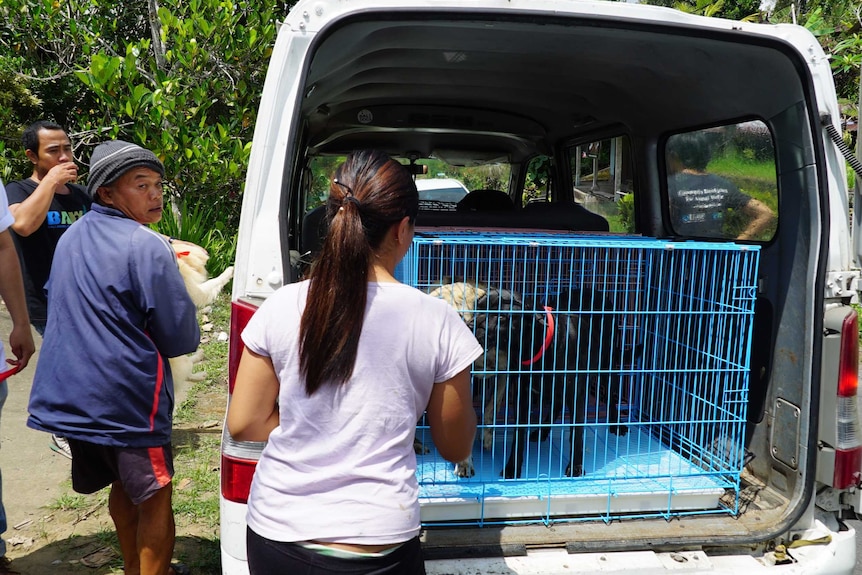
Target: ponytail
(369,193)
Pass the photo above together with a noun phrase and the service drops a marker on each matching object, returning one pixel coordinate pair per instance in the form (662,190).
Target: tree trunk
(156,32)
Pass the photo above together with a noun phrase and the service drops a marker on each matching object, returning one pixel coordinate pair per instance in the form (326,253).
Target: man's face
(137,193)
(54,148)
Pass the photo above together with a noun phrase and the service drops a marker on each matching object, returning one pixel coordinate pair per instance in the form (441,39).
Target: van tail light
(239,458)
(848,451)
(240,314)
(236,476)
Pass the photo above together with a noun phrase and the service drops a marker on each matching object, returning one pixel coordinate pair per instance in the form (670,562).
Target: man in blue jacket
(119,310)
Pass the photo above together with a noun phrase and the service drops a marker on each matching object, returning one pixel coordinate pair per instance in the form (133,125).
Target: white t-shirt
(340,466)
(6,220)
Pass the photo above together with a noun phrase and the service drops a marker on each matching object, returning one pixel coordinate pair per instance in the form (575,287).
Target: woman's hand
(452,418)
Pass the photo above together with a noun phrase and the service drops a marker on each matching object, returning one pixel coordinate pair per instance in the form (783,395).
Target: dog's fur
(584,357)
(462,296)
(512,333)
(192,260)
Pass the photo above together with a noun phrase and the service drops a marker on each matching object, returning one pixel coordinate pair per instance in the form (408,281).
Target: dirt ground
(44,538)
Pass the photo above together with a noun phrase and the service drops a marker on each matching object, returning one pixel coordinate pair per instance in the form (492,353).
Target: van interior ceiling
(611,76)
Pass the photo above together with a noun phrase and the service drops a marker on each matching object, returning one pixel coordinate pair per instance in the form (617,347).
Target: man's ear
(106,194)
(32,156)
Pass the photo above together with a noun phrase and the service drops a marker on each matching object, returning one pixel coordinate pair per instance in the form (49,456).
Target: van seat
(486,201)
(555,216)
(313,231)
(566,215)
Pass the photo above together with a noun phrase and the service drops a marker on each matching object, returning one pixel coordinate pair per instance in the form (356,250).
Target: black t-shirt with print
(37,250)
(698,203)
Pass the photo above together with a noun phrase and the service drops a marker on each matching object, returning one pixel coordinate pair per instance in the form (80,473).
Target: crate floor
(628,474)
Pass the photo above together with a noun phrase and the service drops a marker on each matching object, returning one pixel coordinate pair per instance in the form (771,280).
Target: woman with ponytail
(337,370)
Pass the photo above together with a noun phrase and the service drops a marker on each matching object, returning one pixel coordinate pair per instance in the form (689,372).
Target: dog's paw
(197,376)
(419,447)
(227,273)
(197,356)
(574,471)
(465,468)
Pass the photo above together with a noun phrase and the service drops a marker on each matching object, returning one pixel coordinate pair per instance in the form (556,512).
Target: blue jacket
(118,309)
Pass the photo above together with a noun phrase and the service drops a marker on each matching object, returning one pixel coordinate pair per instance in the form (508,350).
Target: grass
(71,502)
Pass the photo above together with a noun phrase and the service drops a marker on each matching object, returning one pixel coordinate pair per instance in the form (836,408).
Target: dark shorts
(142,471)
(267,557)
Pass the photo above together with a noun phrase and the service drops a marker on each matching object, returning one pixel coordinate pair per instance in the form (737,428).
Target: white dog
(192,260)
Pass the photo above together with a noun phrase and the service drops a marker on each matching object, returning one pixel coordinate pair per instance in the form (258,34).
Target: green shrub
(201,225)
(626,206)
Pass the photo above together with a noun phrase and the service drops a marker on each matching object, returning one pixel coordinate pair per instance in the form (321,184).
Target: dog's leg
(517,453)
(211,288)
(518,449)
(491,408)
(617,427)
(577,399)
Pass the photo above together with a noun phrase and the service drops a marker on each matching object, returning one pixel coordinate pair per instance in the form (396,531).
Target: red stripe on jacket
(160,378)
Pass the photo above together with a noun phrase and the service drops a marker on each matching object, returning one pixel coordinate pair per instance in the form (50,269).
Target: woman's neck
(380,273)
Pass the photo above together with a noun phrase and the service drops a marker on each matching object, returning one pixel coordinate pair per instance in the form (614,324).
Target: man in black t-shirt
(699,200)
(44,206)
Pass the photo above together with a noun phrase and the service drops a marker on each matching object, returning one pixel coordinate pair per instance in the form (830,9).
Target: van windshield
(441,185)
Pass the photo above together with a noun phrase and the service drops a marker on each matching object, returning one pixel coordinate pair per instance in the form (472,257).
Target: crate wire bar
(649,363)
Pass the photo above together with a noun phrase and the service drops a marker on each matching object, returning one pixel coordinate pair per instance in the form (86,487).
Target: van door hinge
(842,284)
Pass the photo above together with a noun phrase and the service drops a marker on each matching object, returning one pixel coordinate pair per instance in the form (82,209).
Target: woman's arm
(452,418)
(253,410)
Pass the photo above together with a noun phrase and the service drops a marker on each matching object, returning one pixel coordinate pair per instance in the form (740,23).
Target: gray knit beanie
(112,159)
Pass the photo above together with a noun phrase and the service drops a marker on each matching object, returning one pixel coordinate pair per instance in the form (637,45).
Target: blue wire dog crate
(614,382)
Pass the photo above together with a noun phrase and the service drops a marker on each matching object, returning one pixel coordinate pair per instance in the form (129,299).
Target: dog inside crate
(595,370)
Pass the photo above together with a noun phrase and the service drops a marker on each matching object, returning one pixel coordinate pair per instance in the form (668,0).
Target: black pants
(266,557)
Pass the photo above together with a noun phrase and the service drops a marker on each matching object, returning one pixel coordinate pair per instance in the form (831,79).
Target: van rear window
(721,183)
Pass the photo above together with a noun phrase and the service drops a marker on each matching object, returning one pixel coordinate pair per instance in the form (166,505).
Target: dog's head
(462,296)
(192,260)
(509,333)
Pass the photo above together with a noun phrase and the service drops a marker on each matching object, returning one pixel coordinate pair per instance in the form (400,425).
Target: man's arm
(12,291)
(30,213)
(761,217)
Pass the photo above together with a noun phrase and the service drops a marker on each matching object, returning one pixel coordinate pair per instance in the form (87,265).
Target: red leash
(549,337)
(9,372)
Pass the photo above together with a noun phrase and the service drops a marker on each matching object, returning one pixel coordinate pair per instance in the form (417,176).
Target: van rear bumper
(837,557)
(232,538)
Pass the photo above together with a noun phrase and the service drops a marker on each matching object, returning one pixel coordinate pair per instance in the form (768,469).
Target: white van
(686,169)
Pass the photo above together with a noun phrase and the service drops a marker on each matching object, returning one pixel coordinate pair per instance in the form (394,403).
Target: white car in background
(436,191)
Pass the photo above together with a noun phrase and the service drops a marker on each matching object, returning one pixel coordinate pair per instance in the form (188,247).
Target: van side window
(721,183)
(321,169)
(537,181)
(602,180)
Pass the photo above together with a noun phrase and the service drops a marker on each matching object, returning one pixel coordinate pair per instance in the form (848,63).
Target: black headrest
(313,230)
(486,201)
(566,215)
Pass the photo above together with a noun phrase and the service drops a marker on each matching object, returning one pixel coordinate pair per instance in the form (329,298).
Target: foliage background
(181,77)
(184,78)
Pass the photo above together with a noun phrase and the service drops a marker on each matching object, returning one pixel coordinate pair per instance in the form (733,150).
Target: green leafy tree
(182,78)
